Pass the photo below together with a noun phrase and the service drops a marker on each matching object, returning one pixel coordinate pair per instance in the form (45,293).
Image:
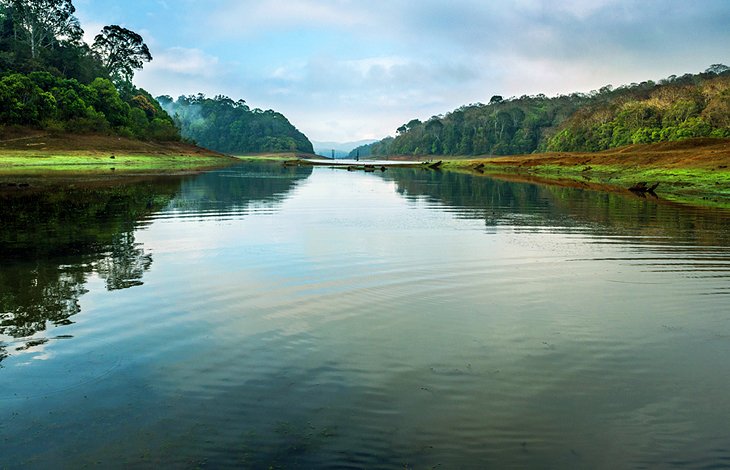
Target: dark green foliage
(122,52)
(44,100)
(44,35)
(50,79)
(231,126)
(504,126)
(41,24)
(674,109)
(22,101)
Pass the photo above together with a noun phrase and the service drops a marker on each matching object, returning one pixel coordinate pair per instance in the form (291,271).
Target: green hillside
(673,109)
(51,80)
(231,126)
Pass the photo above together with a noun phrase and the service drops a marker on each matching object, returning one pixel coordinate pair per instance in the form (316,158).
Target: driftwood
(642,187)
(367,168)
(434,165)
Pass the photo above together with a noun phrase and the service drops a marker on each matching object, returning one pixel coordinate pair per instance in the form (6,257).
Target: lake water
(270,317)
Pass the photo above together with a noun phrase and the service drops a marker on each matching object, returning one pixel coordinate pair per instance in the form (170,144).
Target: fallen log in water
(639,187)
(366,168)
(642,187)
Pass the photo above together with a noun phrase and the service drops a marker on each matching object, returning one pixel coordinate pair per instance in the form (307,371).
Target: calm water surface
(262,317)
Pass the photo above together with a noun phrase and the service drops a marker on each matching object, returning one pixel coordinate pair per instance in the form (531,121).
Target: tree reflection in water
(51,241)
(500,202)
(125,265)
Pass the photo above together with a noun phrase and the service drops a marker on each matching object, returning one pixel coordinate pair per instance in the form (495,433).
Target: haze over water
(295,317)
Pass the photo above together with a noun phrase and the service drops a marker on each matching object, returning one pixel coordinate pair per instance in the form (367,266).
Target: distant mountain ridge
(342,149)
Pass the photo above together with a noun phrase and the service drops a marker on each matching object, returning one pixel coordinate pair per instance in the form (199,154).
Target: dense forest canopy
(231,126)
(51,79)
(675,108)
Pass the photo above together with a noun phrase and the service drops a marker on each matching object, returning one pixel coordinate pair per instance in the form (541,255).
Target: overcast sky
(351,69)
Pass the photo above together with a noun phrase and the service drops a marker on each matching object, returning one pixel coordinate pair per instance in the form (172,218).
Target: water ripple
(333,319)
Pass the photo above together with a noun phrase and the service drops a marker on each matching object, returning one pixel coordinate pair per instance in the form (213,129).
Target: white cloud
(580,9)
(367,98)
(243,18)
(372,76)
(185,61)
(347,69)
(181,71)
(91,29)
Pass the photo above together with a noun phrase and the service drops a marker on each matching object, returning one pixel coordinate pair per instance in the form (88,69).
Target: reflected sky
(318,317)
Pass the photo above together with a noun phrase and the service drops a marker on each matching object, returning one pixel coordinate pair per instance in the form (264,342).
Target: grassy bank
(38,155)
(693,171)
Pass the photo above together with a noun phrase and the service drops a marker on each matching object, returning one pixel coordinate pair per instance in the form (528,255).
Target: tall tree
(41,24)
(123,51)
(717,69)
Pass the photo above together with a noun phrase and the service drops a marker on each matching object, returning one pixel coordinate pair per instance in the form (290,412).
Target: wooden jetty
(362,165)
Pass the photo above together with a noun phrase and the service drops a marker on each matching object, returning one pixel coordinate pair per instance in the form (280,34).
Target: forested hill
(51,79)
(231,126)
(673,109)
